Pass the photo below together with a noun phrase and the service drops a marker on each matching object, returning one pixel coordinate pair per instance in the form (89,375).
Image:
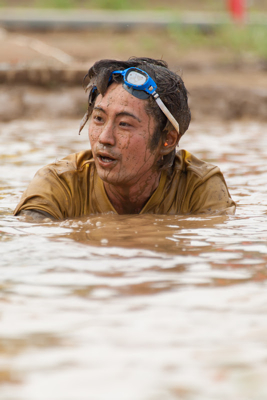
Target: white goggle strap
(165,110)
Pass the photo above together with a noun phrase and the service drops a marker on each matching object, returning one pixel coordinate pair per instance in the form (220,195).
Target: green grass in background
(238,39)
(172,5)
(202,5)
(63,4)
(244,39)
(115,4)
(95,4)
(83,4)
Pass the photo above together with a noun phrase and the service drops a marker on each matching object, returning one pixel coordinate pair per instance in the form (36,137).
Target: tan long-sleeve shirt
(72,188)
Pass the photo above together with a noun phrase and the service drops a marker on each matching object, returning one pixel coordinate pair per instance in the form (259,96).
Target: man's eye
(97,118)
(124,124)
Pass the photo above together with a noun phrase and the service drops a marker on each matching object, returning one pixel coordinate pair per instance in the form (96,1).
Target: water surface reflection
(134,307)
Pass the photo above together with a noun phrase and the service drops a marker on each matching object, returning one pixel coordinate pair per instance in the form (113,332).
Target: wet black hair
(170,88)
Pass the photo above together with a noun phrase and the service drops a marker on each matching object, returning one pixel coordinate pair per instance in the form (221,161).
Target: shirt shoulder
(187,162)
(204,190)
(190,186)
(72,162)
(54,187)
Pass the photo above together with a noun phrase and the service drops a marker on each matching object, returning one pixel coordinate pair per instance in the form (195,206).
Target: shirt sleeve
(212,197)
(46,193)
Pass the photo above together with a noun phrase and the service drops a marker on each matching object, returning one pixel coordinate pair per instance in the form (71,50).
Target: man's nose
(107,136)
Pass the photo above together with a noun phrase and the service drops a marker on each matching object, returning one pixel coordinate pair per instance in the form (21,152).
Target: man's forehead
(117,96)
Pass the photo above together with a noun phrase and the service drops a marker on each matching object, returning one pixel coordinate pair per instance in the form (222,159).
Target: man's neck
(131,200)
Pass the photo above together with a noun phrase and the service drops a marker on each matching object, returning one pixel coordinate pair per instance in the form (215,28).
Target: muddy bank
(227,104)
(206,101)
(41,73)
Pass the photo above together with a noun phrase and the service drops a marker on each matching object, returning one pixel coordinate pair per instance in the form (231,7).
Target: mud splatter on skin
(121,129)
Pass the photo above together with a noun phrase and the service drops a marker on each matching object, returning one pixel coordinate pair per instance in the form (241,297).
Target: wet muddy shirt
(72,188)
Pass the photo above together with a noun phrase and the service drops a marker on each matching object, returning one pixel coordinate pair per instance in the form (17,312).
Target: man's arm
(36,215)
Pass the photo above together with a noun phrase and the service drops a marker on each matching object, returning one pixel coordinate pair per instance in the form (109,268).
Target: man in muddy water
(137,111)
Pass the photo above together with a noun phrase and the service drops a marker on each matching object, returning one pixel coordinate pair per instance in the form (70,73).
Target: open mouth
(105,159)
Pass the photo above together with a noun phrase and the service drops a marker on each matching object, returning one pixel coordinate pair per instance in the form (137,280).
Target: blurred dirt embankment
(41,72)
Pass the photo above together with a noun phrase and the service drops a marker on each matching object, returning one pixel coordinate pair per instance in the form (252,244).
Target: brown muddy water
(135,307)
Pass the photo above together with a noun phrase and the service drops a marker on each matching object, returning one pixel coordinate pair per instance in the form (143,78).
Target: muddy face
(120,133)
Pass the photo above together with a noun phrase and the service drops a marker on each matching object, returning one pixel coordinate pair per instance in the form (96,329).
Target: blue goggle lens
(137,80)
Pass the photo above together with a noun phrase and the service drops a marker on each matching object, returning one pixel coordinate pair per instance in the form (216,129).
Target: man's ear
(171,141)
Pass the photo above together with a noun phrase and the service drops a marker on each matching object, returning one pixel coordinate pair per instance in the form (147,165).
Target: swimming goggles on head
(141,85)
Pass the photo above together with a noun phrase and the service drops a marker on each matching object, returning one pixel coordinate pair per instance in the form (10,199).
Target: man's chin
(107,176)
(112,178)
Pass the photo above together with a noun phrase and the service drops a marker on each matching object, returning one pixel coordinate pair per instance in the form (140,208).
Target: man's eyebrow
(100,109)
(120,113)
(129,115)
